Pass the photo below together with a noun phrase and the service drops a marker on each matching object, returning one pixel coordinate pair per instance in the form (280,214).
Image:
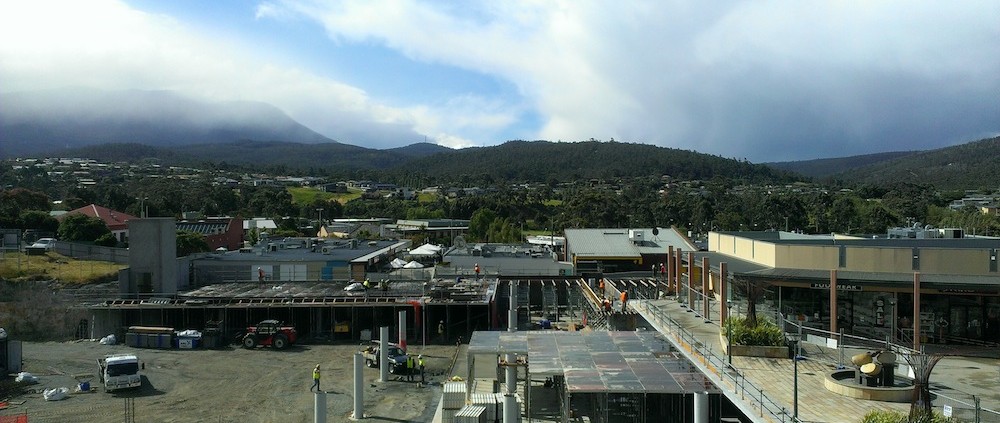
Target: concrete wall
(807,256)
(952,261)
(152,257)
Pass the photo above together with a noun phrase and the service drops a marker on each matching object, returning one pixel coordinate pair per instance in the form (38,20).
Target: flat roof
(599,361)
(296,252)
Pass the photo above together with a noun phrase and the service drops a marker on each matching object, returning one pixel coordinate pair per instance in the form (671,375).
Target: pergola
(598,366)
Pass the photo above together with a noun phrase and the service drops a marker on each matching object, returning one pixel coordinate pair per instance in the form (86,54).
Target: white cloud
(767,80)
(108,45)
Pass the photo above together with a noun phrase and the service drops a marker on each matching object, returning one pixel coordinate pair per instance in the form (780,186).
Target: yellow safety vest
(315,374)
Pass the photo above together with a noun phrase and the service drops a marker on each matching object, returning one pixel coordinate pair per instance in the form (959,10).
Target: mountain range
(166,126)
(52,120)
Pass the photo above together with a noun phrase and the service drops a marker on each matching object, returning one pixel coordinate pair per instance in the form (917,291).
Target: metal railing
(716,366)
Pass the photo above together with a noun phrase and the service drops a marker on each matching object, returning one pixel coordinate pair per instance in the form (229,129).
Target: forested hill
(972,165)
(543,161)
(821,168)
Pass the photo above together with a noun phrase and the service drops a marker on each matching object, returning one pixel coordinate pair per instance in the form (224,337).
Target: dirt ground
(228,385)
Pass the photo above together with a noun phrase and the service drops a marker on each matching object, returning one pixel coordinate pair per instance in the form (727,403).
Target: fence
(92,252)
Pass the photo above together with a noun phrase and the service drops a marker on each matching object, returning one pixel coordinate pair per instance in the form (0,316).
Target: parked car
(45,244)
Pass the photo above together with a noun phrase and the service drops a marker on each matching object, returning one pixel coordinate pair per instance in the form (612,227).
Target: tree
(479,225)
(191,242)
(753,290)
(39,220)
(107,240)
(80,227)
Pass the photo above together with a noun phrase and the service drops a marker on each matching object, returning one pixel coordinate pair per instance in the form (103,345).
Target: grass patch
(552,202)
(307,195)
(427,197)
(53,266)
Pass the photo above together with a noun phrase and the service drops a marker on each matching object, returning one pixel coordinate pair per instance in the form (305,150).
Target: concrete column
(319,407)
(723,292)
(705,273)
(402,329)
(383,354)
(701,407)
(359,400)
(833,300)
(916,311)
(510,411)
(512,311)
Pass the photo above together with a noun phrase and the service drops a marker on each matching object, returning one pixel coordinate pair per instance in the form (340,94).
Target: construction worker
(600,286)
(441,331)
(663,269)
(367,285)
(315,379)
(260,274)
(409,368)
(420,363)
(477,271)
(624,300)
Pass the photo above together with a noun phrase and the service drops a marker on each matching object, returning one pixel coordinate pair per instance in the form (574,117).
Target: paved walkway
(955,378)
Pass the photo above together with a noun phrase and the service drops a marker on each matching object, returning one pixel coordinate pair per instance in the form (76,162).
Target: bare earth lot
(228,385)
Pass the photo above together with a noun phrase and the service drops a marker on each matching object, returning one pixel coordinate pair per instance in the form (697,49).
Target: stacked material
(453,400)
(471,414)
(490,402)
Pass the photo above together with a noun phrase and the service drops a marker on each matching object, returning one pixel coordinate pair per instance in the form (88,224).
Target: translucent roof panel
(599,361)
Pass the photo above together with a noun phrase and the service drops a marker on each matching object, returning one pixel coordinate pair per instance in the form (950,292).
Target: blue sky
(765,80)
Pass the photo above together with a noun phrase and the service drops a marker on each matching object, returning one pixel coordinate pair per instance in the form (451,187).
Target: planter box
(753,350)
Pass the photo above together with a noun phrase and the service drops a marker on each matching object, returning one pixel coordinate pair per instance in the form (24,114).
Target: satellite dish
(656,231)
(459,242)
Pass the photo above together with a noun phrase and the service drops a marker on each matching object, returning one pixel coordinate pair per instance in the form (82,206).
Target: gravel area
(227,385)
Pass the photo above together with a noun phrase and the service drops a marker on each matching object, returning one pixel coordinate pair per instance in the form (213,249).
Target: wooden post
(705,273)
(723,293)
(670,268)
(691,299)
(677,272)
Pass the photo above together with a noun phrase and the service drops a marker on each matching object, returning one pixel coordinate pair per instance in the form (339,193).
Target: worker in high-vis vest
(420,363)
(315,380)
(624,300)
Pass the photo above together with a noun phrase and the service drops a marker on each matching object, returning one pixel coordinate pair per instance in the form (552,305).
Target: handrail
(716,365)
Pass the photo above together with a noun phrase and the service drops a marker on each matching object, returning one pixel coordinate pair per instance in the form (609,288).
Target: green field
(18,266)
(306,195)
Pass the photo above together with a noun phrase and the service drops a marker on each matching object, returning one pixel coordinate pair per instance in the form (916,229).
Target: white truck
(119,371)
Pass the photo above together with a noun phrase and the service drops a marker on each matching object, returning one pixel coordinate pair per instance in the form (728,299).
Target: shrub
(885,416)
(766,333)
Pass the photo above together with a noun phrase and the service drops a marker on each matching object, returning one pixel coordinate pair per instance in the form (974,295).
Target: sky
(763,81)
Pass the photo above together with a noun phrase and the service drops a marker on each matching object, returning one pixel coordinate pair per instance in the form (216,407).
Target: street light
(795,386)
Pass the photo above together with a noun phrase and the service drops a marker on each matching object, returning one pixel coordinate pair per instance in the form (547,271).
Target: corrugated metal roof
(600,243)
(615,242)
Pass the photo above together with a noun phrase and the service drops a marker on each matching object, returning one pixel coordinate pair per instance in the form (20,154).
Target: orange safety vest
(624,296)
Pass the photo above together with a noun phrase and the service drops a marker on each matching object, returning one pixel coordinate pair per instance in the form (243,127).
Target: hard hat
(420,356)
